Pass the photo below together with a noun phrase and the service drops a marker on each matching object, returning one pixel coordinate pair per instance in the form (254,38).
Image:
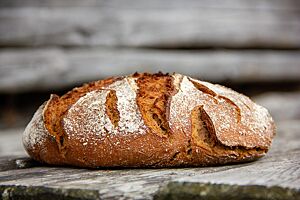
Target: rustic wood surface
(49,68)
(159,24)
(234,4)
(276,176)
(281,105)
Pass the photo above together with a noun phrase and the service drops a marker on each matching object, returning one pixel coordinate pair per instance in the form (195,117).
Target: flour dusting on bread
(88,117)
(35,133)
(254,119)
(130,117)
(149,120)
(223,106)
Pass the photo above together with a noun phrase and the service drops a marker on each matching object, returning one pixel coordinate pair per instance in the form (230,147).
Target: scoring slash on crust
(88,118)
(149,120)
(236,120)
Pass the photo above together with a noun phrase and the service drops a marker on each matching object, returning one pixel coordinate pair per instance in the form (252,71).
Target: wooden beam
(267,24)
(145,4)
(282,105)
(39,69)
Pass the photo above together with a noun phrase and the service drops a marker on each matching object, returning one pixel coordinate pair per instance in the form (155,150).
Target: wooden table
(276,176)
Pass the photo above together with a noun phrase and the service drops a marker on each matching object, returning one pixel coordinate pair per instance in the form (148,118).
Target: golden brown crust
(111,108)
(38,142)
(153,104)
(57,107)
(149,120)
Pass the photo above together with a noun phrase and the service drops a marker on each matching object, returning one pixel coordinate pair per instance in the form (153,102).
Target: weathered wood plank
(282,106)
(46,193)
(23,70)
(11,142)
(278,171)
(201,191)
(160,26)
(145,4)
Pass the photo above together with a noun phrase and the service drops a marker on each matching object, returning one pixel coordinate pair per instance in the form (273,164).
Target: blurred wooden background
(52,46)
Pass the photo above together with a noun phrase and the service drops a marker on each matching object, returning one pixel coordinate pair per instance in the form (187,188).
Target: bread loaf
(149,120)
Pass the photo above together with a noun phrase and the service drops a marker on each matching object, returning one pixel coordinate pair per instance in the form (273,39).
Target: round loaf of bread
(149,120)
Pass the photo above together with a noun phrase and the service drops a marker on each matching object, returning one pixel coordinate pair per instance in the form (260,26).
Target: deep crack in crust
(150,120)
(153,104)
(58,106)
(111,108)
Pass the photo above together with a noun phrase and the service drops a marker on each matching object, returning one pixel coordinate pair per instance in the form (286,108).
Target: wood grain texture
(145,4)
(49,68)
(279,169)
(282,105)
(208,191)
(162,24)
(11,142)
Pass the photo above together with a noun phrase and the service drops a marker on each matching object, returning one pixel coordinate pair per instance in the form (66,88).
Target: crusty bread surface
(149,120)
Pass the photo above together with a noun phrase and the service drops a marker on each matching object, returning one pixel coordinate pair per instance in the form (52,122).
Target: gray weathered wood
(267,24)
(209,191)
(279,169)
(11,142)
(282,105)
(145,4)
(29,69)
